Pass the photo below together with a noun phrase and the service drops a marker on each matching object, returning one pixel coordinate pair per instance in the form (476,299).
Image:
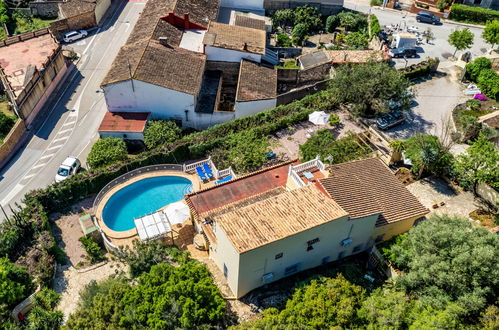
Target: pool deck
(181,234)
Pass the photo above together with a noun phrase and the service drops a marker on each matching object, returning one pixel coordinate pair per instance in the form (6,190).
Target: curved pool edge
(128,234)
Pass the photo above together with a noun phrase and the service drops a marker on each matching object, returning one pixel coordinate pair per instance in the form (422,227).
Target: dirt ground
(287,142)
(67,231)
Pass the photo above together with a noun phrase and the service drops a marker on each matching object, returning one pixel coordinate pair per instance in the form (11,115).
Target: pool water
(141,198)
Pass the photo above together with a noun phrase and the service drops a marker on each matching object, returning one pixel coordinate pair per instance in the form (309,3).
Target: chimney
(245,46)
(163,41)
(187,24)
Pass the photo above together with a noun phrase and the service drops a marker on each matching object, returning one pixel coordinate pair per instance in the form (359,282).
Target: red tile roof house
(290,217)
(124,125)
(178,63)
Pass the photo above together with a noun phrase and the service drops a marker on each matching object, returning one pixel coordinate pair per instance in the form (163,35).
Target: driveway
(434,101)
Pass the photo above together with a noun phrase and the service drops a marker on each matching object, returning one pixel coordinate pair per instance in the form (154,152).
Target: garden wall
(487,193)
(301,92)
(11,142)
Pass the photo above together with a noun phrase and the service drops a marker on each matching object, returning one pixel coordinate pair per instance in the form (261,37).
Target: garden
(18,21)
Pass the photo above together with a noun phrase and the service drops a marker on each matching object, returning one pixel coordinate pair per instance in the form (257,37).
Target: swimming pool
(141,198)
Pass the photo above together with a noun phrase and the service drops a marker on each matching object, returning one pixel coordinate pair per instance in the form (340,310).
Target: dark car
(403,52)
(426,17)
(388,120)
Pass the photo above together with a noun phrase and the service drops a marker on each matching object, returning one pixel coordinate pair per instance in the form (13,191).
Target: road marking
(30,176)
(65,130)
(71,123)
(60,139)
(46,156)
(56,147)
(91,41)
(12,194)
(36,166)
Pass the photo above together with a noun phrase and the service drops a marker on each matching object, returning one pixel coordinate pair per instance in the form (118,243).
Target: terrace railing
(296,177)
(138,171)
(316,162)
(226,172)
(191,167)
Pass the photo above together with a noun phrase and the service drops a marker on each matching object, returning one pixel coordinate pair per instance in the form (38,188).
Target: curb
(464,24)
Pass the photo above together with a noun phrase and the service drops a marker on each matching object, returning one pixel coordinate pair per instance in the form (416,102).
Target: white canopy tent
(318,118)
(152,226)
(177,212)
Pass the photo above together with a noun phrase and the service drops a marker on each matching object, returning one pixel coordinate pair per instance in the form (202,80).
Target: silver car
(74,35)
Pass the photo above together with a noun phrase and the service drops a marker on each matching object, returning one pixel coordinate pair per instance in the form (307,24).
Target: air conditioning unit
(266,278)
(346,242)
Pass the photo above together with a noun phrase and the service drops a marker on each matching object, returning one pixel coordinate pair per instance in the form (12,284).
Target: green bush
(299,34)
(488,81)
(283,40)
(420,69)
(107,151)
(352,21)
(159,132)
(357,40)
(474,68)
(374,27)
(376,2)
(309,16)
(332,22)
(94,251)
(478,15)
(334,120)
(427,155)
(6,123)
(15,283)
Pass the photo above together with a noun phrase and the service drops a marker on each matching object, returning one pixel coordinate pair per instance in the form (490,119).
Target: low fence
(301,92)
(139,171)
(23,36)
(110,247)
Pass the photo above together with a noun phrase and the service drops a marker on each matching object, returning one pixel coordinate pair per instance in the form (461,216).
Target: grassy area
(487,219)
(289,65)
(20,22)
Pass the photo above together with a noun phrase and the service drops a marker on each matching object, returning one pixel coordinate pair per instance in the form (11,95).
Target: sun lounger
(227,178)
(201,174)
(207,170)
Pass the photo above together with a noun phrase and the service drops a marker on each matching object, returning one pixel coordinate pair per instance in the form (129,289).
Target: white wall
(244,109)
(228,55)
(128,135)
(205,120)
(242,4)
(223,253)
(255,263)
(101,8)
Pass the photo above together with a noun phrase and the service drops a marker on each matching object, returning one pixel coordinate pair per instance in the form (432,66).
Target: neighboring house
(124,125)
(178,63)
(290,217)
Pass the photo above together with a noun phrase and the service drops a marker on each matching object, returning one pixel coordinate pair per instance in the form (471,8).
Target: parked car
(426,17)
(389,120)
(69,167)
(403,52)
(74,35)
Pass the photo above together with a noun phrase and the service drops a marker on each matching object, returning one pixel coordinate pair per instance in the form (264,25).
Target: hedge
(478,15)
(420,69)
(61,195)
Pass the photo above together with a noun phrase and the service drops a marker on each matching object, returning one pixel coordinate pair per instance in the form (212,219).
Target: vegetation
(43,315)
(94,251)
(309,16)
(325,145)
(166,297)
(474,68)
(4,13)
(353,21)
(367,87)
(374,27)
(461,39)
(449,260)
(107,151)
(376,3)
(334,120)
(283,40)
(481,72)
(472,14)
(15,284)
(480,164)
(428,155)
(332,22)
(299,34)
(420,69)
(357,40)
(6,123)
(22,22)
(159,132)
(443,4)
(491,33)
(144,255)
(283,18)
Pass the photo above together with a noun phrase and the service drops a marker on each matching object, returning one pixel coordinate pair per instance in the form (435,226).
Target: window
(226,271)
(310,244)
(341,255)
(325,260)
(346,242)
(357,248)
(291,269)
(310,248)
(186,115)
(278,256)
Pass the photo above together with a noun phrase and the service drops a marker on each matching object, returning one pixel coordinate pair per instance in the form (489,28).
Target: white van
(69,167)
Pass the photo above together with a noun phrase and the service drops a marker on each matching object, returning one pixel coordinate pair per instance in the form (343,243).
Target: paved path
(72,124)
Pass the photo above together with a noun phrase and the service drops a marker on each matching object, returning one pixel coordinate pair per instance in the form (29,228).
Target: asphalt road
(72,124)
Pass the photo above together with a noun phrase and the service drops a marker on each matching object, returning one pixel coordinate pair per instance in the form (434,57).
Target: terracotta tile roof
(149,18)
(256,82)
(249,22)
(72,8)
(124,122)
(235,38)
(176,69)
(367,187)
(243,187)
(125,62)
(278,217)
(200,11)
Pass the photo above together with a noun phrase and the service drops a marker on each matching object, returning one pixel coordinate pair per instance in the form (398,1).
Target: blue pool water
(141,198)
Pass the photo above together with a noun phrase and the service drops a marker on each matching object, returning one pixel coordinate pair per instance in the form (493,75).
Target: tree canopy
(357,40)
(480,164)
(491,33)
(107,151)
(159,132)
(166,297)
(299,34)
(461,39)
(309,16)
(367,87)
(474,68)
(427,154)
(449,260)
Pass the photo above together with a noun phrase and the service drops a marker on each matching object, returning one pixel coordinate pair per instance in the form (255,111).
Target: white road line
(65,130)
(59,146)
(46,156)
(37,166)
(12,194)
(60,139)
(91,41)
(70,123)
(30,176)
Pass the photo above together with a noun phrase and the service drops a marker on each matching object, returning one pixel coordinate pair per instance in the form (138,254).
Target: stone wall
(488,193)
(325,7)
(301,92)
(79,22)
(11,140)
(45,9)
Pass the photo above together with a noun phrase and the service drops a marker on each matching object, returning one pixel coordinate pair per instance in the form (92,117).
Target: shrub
(491,33)
(6,123)
(357,40)
(488,81)
(474,68)
(427,155)
(309,16)
(463,13)
(352,21)
(332,22)
(282,18)
(374,27)
(376,2)
(107,151)
(15,283)
(94,251)
(159,132)
(334,120)
(299,34)
(283,40)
